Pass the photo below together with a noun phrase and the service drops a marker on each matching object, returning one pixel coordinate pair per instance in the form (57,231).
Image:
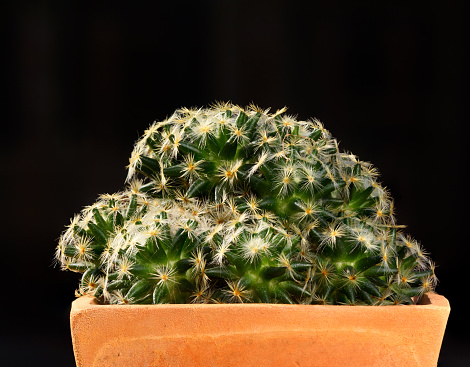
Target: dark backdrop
(390,82)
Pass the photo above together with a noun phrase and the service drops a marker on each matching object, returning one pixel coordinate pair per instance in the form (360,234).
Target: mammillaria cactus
(128,251)
(270,211)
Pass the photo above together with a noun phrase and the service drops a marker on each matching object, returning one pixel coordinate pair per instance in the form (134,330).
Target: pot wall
(258,334)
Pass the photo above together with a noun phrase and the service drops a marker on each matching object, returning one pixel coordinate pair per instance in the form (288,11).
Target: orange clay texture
(258,334)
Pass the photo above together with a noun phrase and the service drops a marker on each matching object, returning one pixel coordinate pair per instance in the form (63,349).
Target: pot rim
(427,301)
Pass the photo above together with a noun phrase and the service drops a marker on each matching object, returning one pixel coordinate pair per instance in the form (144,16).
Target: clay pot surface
(258,334)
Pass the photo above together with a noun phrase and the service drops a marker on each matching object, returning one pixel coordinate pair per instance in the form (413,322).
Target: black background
(390,82)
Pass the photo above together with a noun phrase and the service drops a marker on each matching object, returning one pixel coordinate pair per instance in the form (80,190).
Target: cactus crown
(227,204)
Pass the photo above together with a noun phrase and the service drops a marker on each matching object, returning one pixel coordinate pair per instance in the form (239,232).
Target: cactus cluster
(231,204)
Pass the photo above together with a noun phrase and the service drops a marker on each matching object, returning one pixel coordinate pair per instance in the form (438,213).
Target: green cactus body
(240,205)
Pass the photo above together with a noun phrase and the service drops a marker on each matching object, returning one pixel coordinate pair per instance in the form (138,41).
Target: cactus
(128,252)
(270,211)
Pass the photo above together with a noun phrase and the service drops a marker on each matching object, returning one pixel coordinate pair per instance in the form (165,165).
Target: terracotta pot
(258,334)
